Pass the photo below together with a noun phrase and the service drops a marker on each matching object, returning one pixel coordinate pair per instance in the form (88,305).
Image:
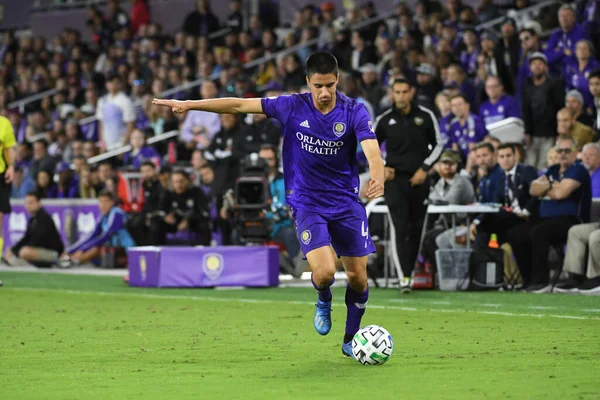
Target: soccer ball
(372,345)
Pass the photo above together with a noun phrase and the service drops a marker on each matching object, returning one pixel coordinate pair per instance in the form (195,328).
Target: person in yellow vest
(7,143)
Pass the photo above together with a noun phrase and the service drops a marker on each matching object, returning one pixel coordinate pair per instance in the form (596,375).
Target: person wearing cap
(577,69)
(427,87)
(413,144)
(530,44)
(499,105)
(452,188)
(541,99)
(495,64)
(115,114)
(574,103)
(567,126)
(41,244)
(562,41)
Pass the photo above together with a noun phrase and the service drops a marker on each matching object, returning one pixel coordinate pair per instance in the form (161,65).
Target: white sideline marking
(491,305)
(311,303)
(594,310)
(541,307)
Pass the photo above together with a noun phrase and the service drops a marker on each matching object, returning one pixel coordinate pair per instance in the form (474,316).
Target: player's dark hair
(484,145)
(503,146)
(460,96)
(492,138)
(43,142)
(180,172)
(321,63)
(34,193)
(594,74)
(148,164)
(402,81)
(108,194)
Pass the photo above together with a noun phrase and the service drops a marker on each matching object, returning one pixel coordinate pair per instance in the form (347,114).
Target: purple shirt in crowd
(576,79)
(146,153)
(473,131)
(595,183)
(319,151)
(559,41)
(506,107)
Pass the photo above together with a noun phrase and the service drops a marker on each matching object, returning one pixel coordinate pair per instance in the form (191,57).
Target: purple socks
(356,304)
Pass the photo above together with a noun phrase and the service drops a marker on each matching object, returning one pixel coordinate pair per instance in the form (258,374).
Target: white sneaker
(405,285)
(590,292)
(545,289)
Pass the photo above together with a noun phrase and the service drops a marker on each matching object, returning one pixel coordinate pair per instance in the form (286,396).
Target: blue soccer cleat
(347,349)
(322,319)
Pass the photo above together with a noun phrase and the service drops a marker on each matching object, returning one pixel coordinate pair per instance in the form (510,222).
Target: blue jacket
(110,230)
(278,204)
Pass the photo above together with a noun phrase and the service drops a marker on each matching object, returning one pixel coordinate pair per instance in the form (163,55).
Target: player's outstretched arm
(226,105)
(376,186)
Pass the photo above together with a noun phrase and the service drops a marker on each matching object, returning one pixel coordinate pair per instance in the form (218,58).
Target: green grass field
(89,337)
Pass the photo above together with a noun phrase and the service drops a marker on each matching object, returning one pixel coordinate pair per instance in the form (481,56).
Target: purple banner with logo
(203,266)
(73,219)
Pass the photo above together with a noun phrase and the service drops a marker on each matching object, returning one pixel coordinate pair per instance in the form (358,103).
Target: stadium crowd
(471,78)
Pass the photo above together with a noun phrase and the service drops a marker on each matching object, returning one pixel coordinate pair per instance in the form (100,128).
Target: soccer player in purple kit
(322,129)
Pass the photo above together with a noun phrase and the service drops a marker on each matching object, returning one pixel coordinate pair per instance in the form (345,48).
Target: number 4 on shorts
(365,232)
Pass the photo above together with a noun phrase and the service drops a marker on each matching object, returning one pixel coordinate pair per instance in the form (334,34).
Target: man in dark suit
(512,192)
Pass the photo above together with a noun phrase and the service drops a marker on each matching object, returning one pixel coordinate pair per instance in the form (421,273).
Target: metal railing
(534,9)
(30,99)
(126,148)
(50,5)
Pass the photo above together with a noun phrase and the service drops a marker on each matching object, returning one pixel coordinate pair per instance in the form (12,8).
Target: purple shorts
(347,231)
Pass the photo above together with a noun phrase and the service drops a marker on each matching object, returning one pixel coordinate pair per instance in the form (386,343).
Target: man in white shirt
(200,127)
(116,115)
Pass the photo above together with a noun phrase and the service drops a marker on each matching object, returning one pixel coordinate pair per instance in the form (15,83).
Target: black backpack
(486,269)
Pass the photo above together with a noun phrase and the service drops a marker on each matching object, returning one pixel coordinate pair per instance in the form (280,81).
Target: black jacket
(413,140)
(41,232)
(197,24)
(191,205)
(153,193)
(540,104)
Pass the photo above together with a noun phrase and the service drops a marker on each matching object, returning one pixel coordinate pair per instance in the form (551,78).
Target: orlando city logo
(143,268)
(212,265)
(306,236)
(339,128)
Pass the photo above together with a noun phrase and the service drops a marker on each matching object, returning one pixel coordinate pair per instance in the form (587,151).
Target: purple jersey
(473,131)
(577,79)
(506,107)
(319,151)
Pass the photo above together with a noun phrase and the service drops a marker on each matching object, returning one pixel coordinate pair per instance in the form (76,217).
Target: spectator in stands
(577,69)
(67,185)
(110,231)
(140,151)
(457,79)
(41,159)
(494,60)
(427,86)
(584,272)
(140,15)
(350,85)
(567,126)
(41,244)
(466,129)
(201,22)
(200,127)
(116,115)
(86,186)
(22,184)
(43,183)
(562,42)
(468,57)
(262,131)
(566,201)
(530,44)
(89,149)
(220,153)
(512,191)
(493,140)
(452,188)
(372,86)
(591,160)
(500,105)
(116,17)
(105,174)
(197,161)
(489,173)
(542,97)
(487,11)
(509,47)
(574,103)
(235,20)
(141,227)
(186,209)
(442,104)
(214,191)
(594,83)
(23,156)
(362,52)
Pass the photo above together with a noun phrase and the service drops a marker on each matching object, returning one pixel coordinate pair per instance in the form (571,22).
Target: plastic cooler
(453,268)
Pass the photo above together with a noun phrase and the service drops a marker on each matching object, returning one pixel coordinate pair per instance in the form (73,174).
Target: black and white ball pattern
(372,345)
